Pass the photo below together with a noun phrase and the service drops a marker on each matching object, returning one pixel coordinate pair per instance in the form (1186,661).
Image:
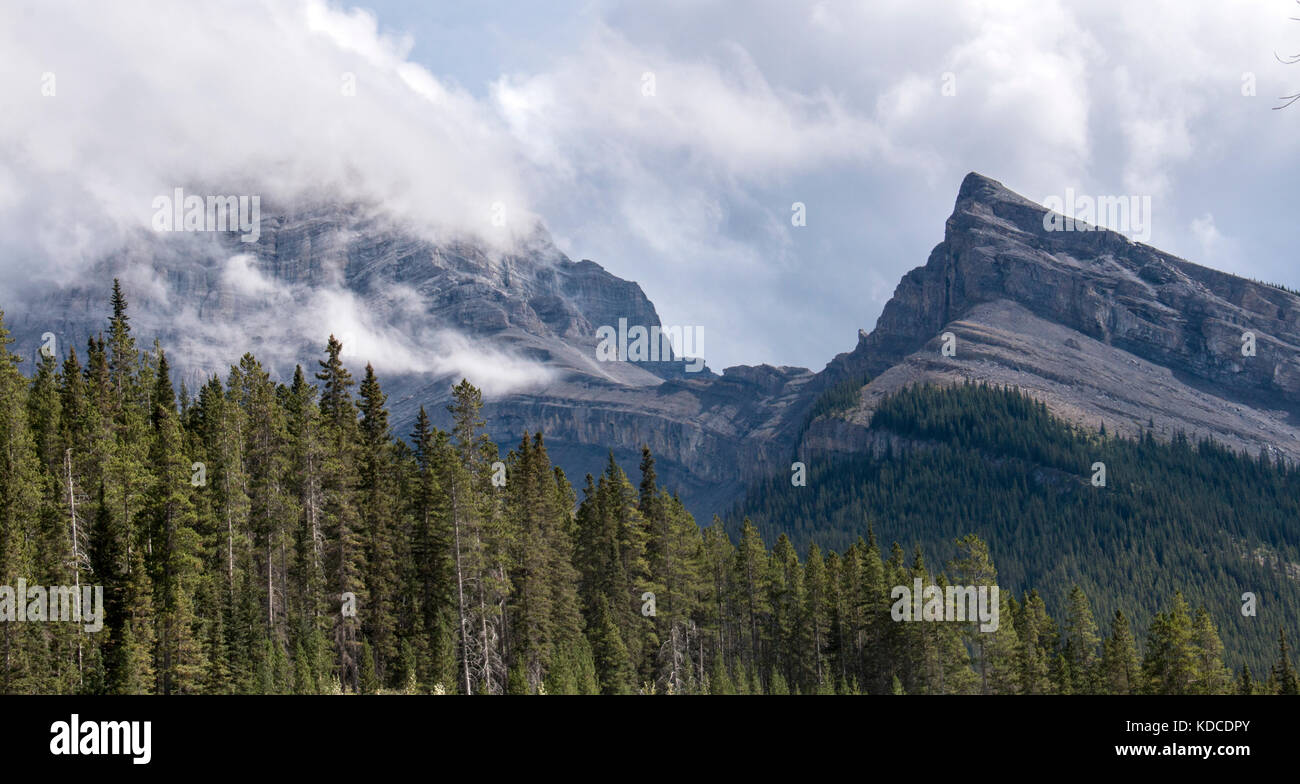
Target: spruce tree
(1283,674)
(1245,685)
(1170,663)
(176,554)
(378,510)
(750,559)
(1212,676)
(20,502)
(1121,672)
(345,550)
(1081,641)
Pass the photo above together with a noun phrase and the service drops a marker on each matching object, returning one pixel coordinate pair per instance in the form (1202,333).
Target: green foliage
(278,538)
(840,397)
(1173,515)
(843,396)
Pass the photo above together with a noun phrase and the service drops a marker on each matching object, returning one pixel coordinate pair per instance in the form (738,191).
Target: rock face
(523,324)
(1102,329)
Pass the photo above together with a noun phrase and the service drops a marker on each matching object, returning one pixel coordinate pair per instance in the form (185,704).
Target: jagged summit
(977,187)
(1101,328)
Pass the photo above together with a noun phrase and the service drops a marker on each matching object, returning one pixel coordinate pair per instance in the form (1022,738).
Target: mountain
(974,459)
(521,323)
(1068,350)
(1103,330)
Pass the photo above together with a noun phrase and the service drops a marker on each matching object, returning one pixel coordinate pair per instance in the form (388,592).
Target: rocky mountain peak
(1032,304)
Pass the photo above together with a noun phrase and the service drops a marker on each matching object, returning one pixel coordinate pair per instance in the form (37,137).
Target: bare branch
(1292,60)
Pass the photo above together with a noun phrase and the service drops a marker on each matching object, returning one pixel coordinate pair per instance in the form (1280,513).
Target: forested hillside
(1171,516)
(280,538)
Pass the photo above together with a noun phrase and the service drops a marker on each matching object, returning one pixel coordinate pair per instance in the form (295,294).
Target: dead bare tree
(1292,60)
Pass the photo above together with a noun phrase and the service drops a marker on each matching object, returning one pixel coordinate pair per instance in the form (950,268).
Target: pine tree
(817,616)
(1081,641)
(304,478)
(123,451)
(1283,674)
(20,501)
(785,593)
(1170,663)
(613,664)
(378,511)
(749,562)
(1003,651)
(610,555)
(1120,671)
(955,674)
(345,559)
(529,498)
(270,503)
(223,511)
(59,546)
(368,678)
(1036,645)
(544,605)
(717,556)
(472,507)
(720,680)
(673,556)
(1245,685)
(1212,677)
(618,504)
(176,553)
(973,566)
(431,575)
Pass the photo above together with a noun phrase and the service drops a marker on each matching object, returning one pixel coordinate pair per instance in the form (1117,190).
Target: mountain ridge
(1104,330)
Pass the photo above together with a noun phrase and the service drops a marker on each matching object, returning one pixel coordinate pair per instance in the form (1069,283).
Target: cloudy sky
(665,140)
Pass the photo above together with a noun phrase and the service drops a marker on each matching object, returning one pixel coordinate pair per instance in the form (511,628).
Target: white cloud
(241,275)
(411,346)
(721,112)
(281,323)
(1217,250)
(757,104)
(242,97)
